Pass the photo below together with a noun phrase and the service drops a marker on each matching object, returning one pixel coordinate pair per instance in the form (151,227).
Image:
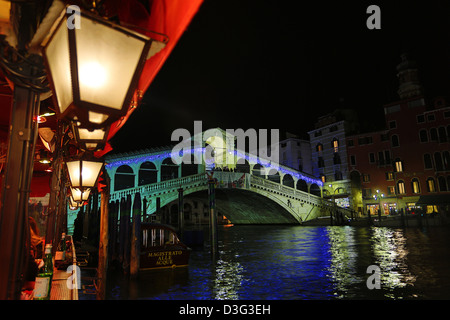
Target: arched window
(315,190)
(319,147)
(124,178)
(395,140)
(442,183)
(398,165)
(335,145)
(438,161)
(169,170)
(415,187)
(274,175)
(423,135)
(442,135)
(428,162)
(401,187)
(288,180)
(258,170)
(431,185)
(147,173)
(446,156)
(433,134)
(302,185)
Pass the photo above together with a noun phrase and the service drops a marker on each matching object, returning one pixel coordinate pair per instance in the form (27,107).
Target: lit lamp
(79,196)
(73,204)
(83,174)
(94,69)
(90,139)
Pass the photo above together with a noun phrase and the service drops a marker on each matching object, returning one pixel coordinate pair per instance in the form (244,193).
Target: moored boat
(161,248)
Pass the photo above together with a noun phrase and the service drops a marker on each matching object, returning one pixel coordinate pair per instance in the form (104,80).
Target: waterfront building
(295,153)
(407,163)
(329,154)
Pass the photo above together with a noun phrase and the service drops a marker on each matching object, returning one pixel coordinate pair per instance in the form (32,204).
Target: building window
(433,134)
(323,178)
(338,175)
(442,135)
(415,185)
(431,185)
(442,183)
(389,176)
(335,145)
(446,156)
(350,143)
(367,193)
(438,161)
(398,165)
(384,137)
(366,177)
(387,156)
(381,158)
(431,117)
(423,135)
(392,124)
(401,187)
(371,157)
(395,141)
(353,160)
(320,162)
(420,118)
(447,114)
(428,162)
(336,159)
(319,147)
(391,190)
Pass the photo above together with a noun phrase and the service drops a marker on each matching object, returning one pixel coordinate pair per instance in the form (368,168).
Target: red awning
(168,17)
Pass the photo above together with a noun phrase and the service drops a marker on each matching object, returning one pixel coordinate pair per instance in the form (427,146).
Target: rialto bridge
(249,190)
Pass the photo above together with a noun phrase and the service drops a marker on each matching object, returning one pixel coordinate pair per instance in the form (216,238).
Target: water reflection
(343,261)
(228,280)
(295,262)
(390,254)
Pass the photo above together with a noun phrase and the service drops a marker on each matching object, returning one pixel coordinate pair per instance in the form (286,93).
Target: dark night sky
(275,64)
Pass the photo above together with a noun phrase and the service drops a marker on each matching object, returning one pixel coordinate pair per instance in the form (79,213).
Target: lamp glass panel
(78,195)
(74,172)
(107,60)
(90,172)
(57,53)
(97,134)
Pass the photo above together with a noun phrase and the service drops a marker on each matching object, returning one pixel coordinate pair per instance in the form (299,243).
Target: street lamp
(83,173)
(94,68)
(90,139)
(79,196)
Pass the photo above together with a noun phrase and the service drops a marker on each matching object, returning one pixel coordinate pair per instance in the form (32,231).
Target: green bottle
(44,277)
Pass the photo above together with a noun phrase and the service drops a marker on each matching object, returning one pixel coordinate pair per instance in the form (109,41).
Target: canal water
(297,262)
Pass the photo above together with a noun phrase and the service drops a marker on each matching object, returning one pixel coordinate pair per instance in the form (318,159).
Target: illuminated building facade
(408,163)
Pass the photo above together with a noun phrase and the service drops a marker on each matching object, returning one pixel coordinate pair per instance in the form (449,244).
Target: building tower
(408,76)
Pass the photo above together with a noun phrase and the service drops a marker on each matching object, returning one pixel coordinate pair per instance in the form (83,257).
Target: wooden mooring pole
(212,219)
(103,241)
(136,236)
